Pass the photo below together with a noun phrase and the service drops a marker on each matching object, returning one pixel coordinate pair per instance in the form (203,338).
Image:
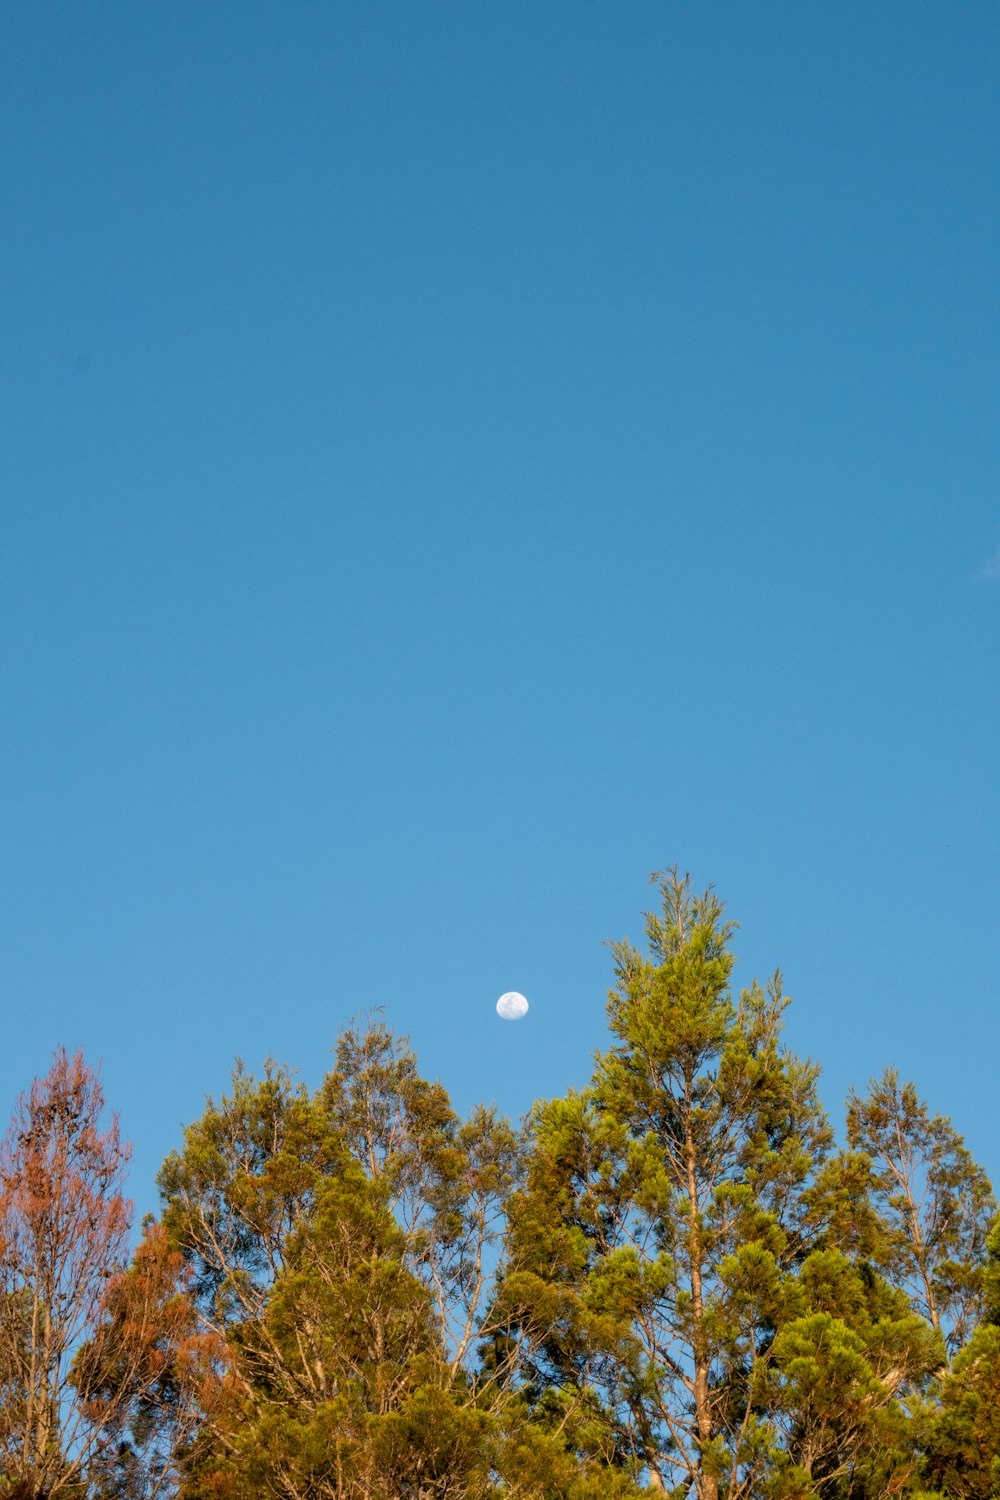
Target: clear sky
(459,458)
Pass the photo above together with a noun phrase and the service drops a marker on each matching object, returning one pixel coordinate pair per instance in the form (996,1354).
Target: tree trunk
(708,1485)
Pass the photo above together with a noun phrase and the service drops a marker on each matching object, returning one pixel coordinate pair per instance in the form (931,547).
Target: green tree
(342,1247)
(934,1202)
(446,1181)
(248,1176)
(671,1282)
(665,1213)
(365,1406)
(962,1443)
(848,1359)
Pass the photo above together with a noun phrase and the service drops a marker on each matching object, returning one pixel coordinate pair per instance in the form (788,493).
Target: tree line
(674,1281)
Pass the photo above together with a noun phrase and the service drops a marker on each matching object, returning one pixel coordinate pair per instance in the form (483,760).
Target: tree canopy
(679,1279)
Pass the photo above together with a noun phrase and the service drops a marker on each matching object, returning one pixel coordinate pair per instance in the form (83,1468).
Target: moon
(512,1006)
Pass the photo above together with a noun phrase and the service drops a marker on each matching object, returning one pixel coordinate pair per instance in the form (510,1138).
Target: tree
(847,1357)
(961,1456)
(248,1176)
(934,1202)
(665,1215)
(341,1246)
(149,1345)
(366,1405)
(670,1281)
(85,1342)
(446,1181)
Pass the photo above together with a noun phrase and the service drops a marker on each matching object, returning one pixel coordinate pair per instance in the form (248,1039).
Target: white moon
(512,1006)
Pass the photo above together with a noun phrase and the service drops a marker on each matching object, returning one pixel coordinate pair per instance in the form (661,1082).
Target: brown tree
(87,1343)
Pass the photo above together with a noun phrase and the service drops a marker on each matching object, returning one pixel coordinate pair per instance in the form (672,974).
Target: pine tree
(667,1209)
(961,1456)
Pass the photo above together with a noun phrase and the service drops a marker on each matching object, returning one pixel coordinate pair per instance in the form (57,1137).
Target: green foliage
(934,1202)
(962,1444)
(247,1176)
(364,1402)
(341,1247)
(706,1293)
(839,1374)
(666,1211)
(962,1441)
(669,1282)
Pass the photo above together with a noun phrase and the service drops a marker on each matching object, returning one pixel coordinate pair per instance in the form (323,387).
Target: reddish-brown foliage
(100,1362)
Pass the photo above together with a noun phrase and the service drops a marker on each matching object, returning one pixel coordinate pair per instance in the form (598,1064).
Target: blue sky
(460,458)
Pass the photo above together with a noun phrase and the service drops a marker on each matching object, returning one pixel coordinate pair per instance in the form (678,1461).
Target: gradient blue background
(459,458)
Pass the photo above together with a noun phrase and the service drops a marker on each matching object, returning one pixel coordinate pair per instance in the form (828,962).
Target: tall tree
(364,1406)
(961,1443)
(342,1246)
(248,1176)
(666,1209)
(83,1340)
(849,1358)
(934,1202)
(446,1181)
(149,1345)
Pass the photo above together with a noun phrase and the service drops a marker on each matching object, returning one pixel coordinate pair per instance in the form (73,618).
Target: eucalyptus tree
(934,1203)
(446,1181)
(342,1246)
(248,1176)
